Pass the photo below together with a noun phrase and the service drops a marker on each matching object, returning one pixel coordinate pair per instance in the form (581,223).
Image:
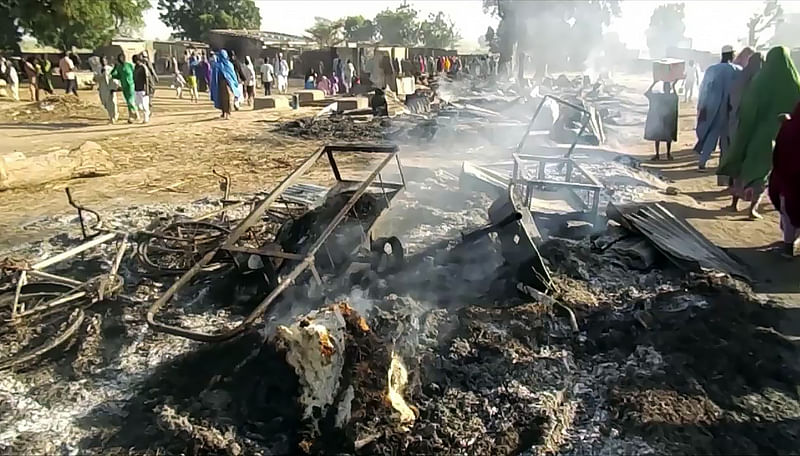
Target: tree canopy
(438,31)
(400,27)
(193,19)
(356,28)
(555,33)
(666,28)
(9,32)
(327,32)
(67,23)
(760,21)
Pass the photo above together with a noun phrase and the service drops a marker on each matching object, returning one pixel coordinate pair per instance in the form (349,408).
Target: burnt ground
(663,362)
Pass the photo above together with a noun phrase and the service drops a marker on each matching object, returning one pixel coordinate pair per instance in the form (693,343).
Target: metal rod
(53,304)
(53,277)
(74,251)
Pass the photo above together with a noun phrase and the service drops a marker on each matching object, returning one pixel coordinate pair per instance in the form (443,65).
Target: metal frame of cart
(306,259)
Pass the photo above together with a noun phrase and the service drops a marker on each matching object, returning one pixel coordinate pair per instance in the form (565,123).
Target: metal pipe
(74,251)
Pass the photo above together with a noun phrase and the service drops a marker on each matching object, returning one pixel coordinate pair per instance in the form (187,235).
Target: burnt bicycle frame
(306,261)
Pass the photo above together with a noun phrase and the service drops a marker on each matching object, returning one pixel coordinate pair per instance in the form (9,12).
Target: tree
(398,27)
(326,32)
(761,21)
(9,31)
(438,31)
(80,23)
(666,28)
(356,28)
(553,33)
(492,40)
(193,19)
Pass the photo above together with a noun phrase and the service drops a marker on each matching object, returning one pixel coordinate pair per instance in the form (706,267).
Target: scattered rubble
(431,343)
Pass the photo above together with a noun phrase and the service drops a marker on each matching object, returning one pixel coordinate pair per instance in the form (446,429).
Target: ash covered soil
(662,362)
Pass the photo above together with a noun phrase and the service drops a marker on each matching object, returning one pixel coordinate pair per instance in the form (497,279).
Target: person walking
(32,74)
(123,72)
(690,81)
(249,80)
(152,77)
(44,79)
(713,106)
(9,73)
(775,90)
(662,118)
(180,81)
(349,76)
(190,73)
(224,84)
(267,76)
(102,77)
(66,67)
(751,67)
(283,73)
(203,73)
(784,191)
(142,82)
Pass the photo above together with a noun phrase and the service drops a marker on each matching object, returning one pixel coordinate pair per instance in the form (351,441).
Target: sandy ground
(171,160)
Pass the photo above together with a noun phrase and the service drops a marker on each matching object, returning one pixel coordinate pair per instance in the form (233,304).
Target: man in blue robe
(713,107)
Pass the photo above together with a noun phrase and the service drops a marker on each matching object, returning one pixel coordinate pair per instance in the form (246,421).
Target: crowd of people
(748,107)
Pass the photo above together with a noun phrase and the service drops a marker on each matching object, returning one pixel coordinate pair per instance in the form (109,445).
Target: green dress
(123,72)
(774,90)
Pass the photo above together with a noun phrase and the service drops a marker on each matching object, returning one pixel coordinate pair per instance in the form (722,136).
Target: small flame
(398,378)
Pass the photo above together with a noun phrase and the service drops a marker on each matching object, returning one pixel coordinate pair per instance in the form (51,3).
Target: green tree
(666,28)
(9,31)
(80,23)
(356,28)
(438,31)
(398,27)
(193,19)
(326,32)
(771,14)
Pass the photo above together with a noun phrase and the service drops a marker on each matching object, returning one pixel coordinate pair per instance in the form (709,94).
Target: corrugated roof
(675,238)
(262,35)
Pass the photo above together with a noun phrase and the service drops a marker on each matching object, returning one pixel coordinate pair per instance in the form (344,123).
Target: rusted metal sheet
(519,240)
(676,238)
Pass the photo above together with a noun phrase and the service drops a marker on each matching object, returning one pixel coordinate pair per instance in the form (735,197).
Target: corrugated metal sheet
(676,238)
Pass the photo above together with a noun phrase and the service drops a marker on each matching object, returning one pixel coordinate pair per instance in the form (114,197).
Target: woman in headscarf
(123,72)
(224,84)
(324,84)
(102,76)
(784,181)
(740,84)
(774,90)
(743,57)
(203,74)
(45,73)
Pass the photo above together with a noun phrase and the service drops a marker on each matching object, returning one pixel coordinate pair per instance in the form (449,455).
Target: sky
(709,23)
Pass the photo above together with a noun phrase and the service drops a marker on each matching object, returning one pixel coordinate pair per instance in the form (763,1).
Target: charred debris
(397,311)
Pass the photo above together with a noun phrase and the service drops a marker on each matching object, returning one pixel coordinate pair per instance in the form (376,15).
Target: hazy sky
(710,23)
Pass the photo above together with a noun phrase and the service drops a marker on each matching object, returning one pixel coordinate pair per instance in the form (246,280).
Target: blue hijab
(223,68)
